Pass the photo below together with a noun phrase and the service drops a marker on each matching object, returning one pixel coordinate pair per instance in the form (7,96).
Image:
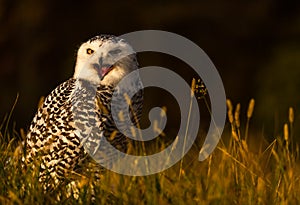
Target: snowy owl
(76,115)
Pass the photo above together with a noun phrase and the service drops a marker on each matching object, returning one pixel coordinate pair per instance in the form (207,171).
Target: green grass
(240,171)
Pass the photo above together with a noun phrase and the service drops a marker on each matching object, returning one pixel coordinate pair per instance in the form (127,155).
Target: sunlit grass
(237,172)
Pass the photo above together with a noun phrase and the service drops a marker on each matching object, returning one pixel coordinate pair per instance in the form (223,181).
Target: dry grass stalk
(229,111)
(291,115)
(286,132)
(250,108)
(237,115)
(193,86)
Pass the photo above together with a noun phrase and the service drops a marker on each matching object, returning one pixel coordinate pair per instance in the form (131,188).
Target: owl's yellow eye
(89,51)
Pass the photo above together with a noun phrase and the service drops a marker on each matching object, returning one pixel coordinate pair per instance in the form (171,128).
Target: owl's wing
(51,137)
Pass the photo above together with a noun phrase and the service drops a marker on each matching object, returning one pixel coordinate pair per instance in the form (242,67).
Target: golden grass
(242,170)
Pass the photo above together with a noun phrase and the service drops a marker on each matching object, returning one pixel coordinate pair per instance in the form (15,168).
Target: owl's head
(104,60)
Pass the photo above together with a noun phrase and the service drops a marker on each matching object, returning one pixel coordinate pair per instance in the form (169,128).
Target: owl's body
(76,116)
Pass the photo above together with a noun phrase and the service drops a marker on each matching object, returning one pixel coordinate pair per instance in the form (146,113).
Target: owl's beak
(102,69)
(105,70)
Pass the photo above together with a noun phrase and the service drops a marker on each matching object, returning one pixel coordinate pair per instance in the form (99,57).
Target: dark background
(254,45)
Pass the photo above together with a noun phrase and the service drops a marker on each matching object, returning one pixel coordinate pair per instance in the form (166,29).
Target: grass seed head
(250,108)
(286,132)
(193,87)
(229,111)
(291,115)
(237,115)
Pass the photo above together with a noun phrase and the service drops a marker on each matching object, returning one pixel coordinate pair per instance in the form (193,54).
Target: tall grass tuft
(240,171)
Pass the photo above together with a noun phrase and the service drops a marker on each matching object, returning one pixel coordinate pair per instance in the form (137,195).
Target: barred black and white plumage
(76,115)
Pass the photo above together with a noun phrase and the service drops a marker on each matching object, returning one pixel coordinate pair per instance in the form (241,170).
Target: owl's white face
(104,60)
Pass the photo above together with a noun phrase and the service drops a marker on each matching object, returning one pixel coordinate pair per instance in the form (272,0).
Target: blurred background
(254,45)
